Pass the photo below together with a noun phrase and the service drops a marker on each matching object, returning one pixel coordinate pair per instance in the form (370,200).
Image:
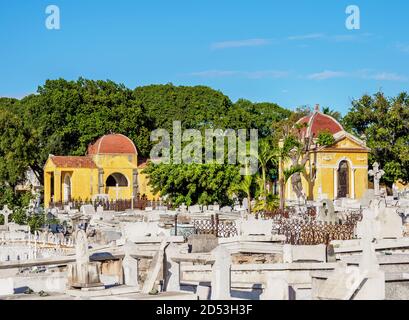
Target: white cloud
(327,74)
(266,74)
(310,36)
(336,38)
(360,74)
(388,76)
(213,73)
(240,43)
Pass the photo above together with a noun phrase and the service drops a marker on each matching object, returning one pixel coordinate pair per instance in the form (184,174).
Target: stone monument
(83,273)
(377,174)
(6,212)
(327,212)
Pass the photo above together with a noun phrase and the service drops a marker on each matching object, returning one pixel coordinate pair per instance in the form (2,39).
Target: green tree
(193,183)
(384,122)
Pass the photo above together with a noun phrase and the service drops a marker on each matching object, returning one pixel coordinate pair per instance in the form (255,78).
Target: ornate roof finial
(317,107)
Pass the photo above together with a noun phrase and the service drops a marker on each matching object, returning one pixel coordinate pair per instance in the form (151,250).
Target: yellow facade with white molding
(109,170)
(336,171)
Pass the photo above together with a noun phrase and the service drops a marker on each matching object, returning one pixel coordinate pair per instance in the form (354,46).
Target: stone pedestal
(84,276)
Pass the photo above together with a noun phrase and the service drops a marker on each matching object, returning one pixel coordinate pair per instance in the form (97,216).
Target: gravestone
(202,243)
(377,174)
(6,212)
(133,230)
(154,269)
(6,286)
(203,291)
(254,227)
(275,289)
(195,209)
(172,268)
(87,209)
(183,208)
(153,217)
(226,209)
(130,266)
(368,196)
(245,204)
(100,209)
(390,224)
(327,212)
(221,276)
(83,273)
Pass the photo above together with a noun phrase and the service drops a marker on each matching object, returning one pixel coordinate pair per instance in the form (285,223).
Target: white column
(353,183)
(335,183)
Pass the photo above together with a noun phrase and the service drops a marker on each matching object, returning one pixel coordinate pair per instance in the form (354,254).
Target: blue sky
(293,52)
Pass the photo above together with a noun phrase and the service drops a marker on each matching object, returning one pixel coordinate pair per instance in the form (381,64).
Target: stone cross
(6,212)
(377,175)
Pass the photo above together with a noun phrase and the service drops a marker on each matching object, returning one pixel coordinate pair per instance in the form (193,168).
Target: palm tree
(332,113)
(265,156)
(244,186)
(285,153)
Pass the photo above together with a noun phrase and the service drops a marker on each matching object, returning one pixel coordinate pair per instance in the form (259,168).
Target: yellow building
(336,171)
(110,169)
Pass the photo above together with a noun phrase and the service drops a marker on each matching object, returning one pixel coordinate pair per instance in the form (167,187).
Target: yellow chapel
(110,169)
(336,171)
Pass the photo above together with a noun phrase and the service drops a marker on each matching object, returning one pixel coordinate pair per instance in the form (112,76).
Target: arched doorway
(116,186)
(343,179)
(117,179)
(67,188)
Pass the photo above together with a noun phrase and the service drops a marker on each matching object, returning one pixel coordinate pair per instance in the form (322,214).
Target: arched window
(343,179)
(117,179)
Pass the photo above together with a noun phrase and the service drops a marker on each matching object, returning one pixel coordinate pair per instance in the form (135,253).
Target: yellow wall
(327,163)
(84,181)
(144,188)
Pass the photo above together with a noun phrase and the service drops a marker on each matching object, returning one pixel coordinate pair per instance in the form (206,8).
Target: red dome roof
(318,122)
(112,144)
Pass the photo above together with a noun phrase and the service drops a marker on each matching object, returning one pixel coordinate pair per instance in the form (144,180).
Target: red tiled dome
(112,144)
(318,122)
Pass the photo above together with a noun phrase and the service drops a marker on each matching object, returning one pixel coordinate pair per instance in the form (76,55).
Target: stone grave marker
(221,276)
(6,212)
(327,212)
(130,266)
(377,174)
(87,209)
(202,243)
(195,209)
(83,273)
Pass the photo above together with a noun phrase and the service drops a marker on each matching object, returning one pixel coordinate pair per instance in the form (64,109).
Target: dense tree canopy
(194,183)
(385,124)
(64,117)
